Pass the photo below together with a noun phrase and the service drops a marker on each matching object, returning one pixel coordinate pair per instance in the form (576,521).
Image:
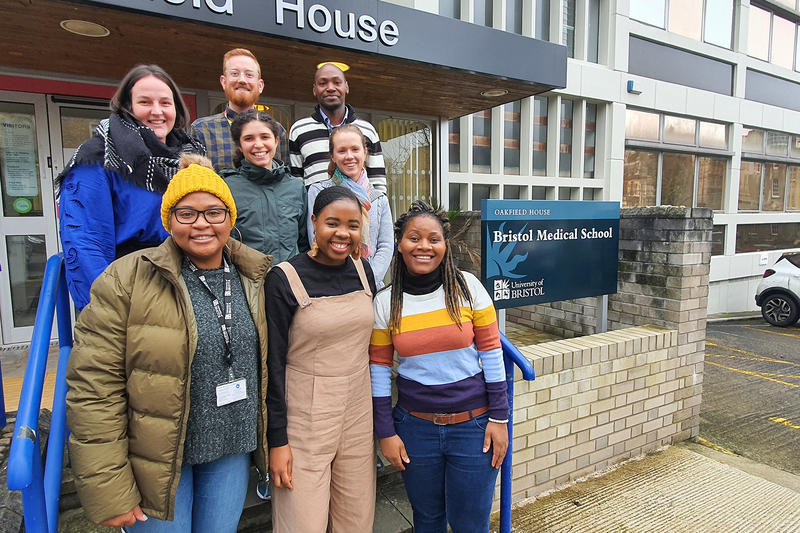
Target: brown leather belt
(444,419)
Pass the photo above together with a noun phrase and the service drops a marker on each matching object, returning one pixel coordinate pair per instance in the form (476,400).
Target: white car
(778,294)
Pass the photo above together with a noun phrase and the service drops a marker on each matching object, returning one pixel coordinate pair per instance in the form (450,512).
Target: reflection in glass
(749,186)
(777,143)
(793,199)
(648,11)
(787,3)
(511,192)
(592,194)
(794,146)
(482,142)
(565,152)
(783,42)
(588,151)
(480,192)
(774,187)
(711,182)
(686,18)
(677,179)
(758,33)
(455,195)
(640,179)
(641,125)
(594,31)
(568,27)
(679,130)
(719,22)
(406,145)
(511,140)
(718,240)
(454,144)
(758,237)
(753,141)
(713,135)
(539,135)
(450,8)
(27,256)
(567,193)
(539,193)
(19,161)
(514,16)
(542,30)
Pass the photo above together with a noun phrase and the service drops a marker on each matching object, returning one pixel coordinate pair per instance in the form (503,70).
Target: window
(512,192)
(568,30)
(641,178)
(484,12)
(718,240)
(514,16)
(749,186)
(454,144)
(588,150)
(772,38)
(480,192)
(539,193)
(539,136)
(770,177)
(450,8)
(793,197)
(758,237)
(511,141)
(774,187)
(594,31)
(482,142)
(671,160)
(703,20)
(565,153)
(542,29)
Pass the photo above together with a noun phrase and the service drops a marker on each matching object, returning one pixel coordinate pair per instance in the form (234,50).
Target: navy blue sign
(535,252)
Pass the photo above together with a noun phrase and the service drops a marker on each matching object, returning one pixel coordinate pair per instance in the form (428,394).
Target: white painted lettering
(281,5)
(351,25)
(227,7)
(367,31)
(326,18)
(389,33)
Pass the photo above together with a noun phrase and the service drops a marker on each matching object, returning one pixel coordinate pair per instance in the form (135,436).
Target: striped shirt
(443,369)
(309,152)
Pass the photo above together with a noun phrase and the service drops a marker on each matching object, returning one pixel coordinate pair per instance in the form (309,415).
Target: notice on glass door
(18,138)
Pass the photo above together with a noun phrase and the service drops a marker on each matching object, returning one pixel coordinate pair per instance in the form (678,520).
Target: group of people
(233,312)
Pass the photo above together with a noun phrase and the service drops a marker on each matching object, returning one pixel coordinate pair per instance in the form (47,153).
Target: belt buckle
(441,419)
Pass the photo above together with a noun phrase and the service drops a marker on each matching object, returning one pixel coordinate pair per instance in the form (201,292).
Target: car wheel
(780,310)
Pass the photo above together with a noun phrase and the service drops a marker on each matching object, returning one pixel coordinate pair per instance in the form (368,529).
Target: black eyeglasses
(187,215)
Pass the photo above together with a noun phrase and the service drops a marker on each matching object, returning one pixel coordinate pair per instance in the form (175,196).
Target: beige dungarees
(329,414)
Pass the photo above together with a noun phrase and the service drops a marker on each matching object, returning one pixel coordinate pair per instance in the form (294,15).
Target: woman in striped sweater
(447,433)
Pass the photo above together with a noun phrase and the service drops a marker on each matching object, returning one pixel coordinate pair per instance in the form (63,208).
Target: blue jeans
(449,479)
(210,498)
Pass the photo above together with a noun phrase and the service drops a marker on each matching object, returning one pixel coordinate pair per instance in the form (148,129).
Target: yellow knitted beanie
(191,179)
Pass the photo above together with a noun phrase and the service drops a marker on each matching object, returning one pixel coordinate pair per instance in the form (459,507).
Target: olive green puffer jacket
(128,379)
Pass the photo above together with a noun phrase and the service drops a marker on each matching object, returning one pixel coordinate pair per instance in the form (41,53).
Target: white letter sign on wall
(320,19)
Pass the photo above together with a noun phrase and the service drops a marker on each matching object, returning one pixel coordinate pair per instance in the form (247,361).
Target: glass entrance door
(27,222)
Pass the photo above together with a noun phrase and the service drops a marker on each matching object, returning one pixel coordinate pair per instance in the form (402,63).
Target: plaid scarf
(129,148)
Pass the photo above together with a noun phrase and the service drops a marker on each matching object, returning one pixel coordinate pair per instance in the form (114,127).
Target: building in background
(660,102)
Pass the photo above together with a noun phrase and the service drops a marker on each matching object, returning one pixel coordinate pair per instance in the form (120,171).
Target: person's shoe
(381,466)
(262,489)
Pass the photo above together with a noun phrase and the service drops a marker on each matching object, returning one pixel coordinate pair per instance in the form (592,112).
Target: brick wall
(602,398)
(598,400)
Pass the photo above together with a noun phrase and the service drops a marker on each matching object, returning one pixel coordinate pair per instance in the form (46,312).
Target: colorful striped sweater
(443,369)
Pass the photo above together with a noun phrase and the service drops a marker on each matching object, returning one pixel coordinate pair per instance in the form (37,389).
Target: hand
(280,467)
(127,519)
(395,451)
(497,439)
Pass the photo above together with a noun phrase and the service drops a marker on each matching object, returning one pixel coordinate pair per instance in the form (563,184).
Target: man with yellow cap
(167,379)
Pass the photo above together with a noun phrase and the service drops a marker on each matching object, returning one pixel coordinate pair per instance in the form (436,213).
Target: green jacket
(272,209)
(128,378)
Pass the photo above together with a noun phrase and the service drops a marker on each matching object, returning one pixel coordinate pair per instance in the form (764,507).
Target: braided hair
(455,286)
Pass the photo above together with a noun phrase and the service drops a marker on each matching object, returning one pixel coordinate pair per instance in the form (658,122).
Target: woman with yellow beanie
(167,378)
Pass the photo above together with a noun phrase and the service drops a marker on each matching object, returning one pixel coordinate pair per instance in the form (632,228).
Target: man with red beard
(242,83)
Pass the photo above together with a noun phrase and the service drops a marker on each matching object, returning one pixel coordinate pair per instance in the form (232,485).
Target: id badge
(232,391)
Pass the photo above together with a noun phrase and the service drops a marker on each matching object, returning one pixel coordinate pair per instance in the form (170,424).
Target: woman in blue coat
(110,192)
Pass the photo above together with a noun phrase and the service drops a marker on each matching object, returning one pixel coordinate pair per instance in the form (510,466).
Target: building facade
(659,102)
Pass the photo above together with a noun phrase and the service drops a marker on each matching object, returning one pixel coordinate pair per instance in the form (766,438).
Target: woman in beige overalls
(320,317)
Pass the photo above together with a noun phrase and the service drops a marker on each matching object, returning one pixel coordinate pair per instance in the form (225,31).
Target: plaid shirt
(215,133)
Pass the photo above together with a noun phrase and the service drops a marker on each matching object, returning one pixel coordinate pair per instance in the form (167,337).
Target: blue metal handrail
(41,490)
(511,357)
